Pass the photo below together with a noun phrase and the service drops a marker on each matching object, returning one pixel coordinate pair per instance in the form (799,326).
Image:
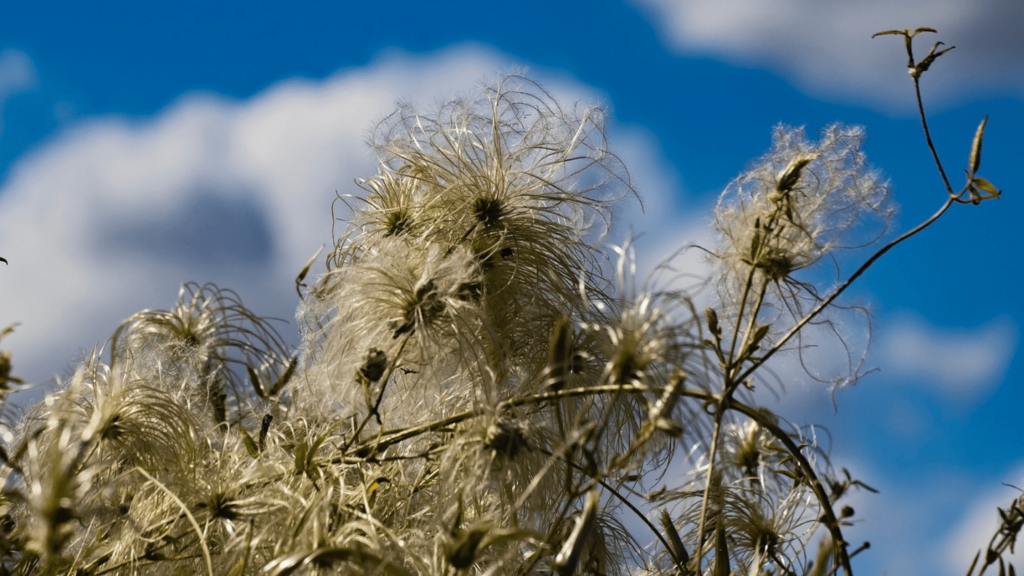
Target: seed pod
(791,175)
(507,437)
(264,428)
(713,326)
(374,366)
(288,373)
(675,543)
(560,354)
(975,159)
(463,549)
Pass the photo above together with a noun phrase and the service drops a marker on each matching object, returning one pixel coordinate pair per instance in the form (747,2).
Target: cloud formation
(960,364)
(825,48)
(909,522)
(114,215)
(980,521)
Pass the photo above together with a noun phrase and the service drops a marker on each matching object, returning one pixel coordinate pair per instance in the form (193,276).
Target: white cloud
(961,364)
(980,521)
(826,48)
(114,214)
(17,74)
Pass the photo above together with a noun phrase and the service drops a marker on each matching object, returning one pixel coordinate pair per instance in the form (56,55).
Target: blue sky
(147,144)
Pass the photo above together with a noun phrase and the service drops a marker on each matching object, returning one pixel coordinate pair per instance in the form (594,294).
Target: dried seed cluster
(479,389)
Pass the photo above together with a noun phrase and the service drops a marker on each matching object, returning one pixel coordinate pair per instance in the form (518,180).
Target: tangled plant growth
(479,390)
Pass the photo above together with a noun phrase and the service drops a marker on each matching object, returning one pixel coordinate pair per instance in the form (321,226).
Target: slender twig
(736,357)
(390,437)
(952,197)
(928,139)
(739,316)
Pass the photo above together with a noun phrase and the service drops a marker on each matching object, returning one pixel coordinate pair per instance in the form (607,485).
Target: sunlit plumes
(501,465)
(750,456)
(413,302)
(526,184)
(632,351)
(635,345)
(243,502)
(802,201)
(133,422)
(394,205)
(236,488)
(758,493)
(642,336)
(769,529)
(646,327)
(573,359)
(204,345)
(58,475)
(508,153)
(746,451)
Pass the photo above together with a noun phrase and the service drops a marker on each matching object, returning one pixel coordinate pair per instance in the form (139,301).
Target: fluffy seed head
(803,200)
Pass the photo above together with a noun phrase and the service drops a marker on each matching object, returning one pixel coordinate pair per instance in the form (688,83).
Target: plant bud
(791,175)
(374,366)
(560,354)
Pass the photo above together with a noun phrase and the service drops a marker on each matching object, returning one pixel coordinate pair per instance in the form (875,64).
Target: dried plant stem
(736,358)
(739,317)
(831,521)
(698,556)
(927,132)
(400,435)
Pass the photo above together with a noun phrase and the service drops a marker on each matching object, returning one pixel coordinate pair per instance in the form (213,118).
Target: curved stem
(928,137)
(831,521)
(394,436)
